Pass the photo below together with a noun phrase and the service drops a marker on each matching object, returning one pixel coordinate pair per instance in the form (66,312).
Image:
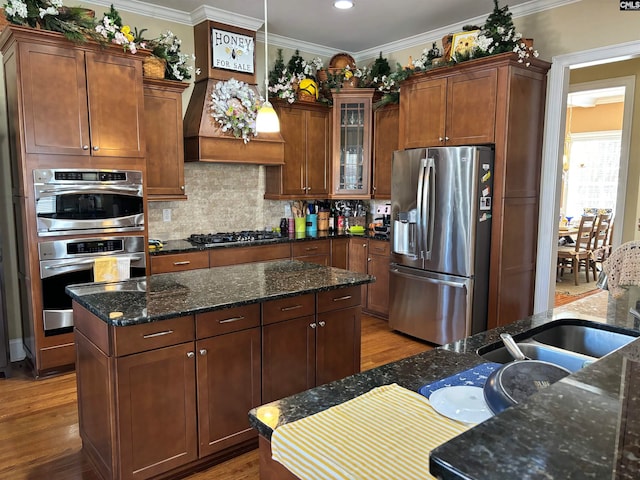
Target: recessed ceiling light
(343,4)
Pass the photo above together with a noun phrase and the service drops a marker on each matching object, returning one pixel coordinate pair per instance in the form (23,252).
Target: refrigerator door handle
(427,216)
(420,226)
(437,281)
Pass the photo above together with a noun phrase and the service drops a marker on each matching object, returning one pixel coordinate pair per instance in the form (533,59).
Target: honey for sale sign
(232,51)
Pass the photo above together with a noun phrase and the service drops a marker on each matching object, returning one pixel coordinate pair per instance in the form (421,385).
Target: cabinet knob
(322,324)
(446,138)
(441,139)
(364,245)
(190,354)
(374,188)
(85,147)
(369,259)
(96,148)
(308,189)
(203,351)
(313,325)
(181,187)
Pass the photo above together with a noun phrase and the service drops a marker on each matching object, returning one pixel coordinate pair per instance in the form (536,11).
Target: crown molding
(205,12)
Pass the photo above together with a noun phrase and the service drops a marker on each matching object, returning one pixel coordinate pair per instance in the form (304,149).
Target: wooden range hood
(204,140)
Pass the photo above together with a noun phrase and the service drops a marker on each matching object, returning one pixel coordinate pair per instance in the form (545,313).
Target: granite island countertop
(169,295)
(584,426)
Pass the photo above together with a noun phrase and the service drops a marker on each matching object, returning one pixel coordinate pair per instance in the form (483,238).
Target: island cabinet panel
(87,119)
(157,422)
(179,262)
(220,257)
(229,385)
(338,345)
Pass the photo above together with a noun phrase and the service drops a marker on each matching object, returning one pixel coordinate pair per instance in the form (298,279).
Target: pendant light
(343,4)
(267,119)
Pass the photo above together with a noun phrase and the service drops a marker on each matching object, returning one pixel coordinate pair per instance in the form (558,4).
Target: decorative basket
(154,67)
(305,96)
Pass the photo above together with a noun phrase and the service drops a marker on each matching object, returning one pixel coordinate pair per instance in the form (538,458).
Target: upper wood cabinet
(165,145)
(352,132)
(305,173)
(385,142)
(493,100)
(80,102)
(457,108)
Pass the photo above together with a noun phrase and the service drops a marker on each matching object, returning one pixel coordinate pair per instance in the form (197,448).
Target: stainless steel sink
(571,343)
(569,360)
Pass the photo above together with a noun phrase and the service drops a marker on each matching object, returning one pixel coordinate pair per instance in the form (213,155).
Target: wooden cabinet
(228,373)
(97,105)
(164,139)
(305,173)
(456,108)
(385,142)
(313,251)
(499,101)
(219,257)
(304,347)
(339,252)
(372,256)
(352,131)
(178,262)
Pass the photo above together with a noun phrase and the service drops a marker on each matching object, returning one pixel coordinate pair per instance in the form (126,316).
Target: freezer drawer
(431,306)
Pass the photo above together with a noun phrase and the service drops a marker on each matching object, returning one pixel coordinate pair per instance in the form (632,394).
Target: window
(591,181)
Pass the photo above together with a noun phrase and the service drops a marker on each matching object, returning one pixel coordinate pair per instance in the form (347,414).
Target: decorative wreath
(235,106)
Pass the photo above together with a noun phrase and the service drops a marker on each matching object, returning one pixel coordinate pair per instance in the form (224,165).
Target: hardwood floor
(39,420)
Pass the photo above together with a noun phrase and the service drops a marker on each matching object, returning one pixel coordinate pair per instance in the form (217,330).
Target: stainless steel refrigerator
(441,238)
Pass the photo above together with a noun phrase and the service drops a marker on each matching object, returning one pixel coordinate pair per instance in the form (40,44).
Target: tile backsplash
(221,198)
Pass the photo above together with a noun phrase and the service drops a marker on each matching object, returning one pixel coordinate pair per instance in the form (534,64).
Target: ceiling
(317,27)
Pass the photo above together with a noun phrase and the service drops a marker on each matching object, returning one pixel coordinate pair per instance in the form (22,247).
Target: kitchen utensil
(516,381)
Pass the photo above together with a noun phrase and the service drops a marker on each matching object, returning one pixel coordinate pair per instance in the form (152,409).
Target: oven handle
(89,189)
(84,262)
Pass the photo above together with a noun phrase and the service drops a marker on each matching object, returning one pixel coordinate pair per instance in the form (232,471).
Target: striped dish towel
(386,433)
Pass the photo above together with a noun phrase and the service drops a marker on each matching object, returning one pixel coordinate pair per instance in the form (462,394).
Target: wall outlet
(166,214)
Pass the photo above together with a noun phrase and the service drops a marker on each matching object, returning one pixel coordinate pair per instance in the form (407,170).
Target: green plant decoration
(278,69)
(296,64)
(499,28)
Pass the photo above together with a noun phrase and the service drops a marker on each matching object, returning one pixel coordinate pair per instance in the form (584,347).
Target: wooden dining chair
(578,255)
(600,241)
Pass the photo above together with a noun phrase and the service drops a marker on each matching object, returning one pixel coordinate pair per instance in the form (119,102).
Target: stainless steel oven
(74,201)
(67,262)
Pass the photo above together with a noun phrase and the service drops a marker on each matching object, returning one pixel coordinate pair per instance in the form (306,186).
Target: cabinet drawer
(287,308)
(339,298)
(178,262)
(379,247)
(219,257)
(313,247)
(149,336)
(228,320)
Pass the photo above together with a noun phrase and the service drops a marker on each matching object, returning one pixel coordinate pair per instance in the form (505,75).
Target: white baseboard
(16,350)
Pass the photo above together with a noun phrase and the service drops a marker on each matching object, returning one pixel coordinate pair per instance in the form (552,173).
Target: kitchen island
(169,365)
(584,426)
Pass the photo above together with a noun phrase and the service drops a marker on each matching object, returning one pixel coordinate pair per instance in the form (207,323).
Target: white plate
(463,403)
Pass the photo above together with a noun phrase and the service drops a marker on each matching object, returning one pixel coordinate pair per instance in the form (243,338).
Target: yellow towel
(111,269)
(387,433)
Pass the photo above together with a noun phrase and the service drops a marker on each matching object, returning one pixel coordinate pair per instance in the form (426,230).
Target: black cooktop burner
(244,236)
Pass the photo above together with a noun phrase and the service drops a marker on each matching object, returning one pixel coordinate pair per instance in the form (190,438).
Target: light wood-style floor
(39,422)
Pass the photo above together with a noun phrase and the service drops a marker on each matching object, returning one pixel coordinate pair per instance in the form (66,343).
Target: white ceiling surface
(315,26)
(591,98)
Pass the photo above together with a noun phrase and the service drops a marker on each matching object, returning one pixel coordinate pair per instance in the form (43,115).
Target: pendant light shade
(267,119)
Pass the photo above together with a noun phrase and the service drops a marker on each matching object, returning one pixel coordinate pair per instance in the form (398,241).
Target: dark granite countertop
(181,246)
(170,295)
(584,426)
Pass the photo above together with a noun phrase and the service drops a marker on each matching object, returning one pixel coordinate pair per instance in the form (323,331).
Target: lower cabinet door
(156,393)
(288,357)
(228,387)
(338,344)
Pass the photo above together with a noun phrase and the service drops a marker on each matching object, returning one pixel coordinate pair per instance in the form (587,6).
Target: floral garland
(234,106)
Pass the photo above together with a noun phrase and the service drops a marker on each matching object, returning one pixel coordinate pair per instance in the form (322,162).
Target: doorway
(553,149)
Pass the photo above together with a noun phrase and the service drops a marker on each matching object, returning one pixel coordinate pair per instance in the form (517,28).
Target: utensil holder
(323,221)
(300,224)
(312,222)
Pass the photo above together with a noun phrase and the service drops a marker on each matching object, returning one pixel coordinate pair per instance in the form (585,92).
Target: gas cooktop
(209,239)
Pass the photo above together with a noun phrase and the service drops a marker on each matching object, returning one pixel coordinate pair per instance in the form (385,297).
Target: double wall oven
(93,214)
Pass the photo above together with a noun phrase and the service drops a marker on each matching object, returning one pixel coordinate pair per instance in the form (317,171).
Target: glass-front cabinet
(352,121)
